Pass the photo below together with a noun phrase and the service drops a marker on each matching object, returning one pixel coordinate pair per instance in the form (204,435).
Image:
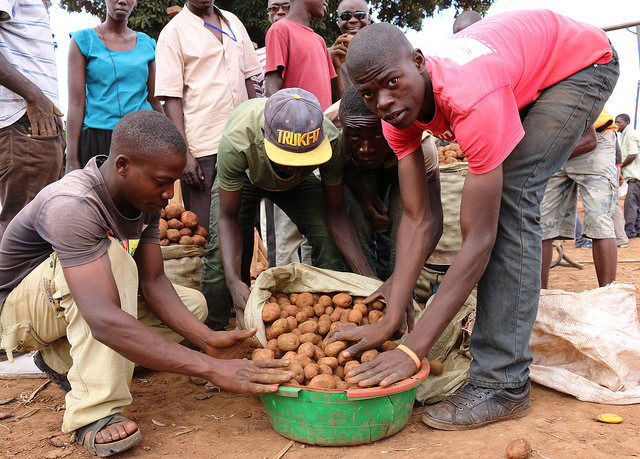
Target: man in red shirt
(297,57)
(516,91)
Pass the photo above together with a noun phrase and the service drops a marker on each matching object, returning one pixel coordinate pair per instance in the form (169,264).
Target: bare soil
(231,425)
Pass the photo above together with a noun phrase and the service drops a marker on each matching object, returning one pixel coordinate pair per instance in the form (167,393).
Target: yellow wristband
(411,354)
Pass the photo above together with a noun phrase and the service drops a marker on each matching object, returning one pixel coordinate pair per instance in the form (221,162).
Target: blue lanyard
(232,36)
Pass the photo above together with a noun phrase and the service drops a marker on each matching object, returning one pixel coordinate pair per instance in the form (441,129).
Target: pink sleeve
(490,131)
(276,49)
(332,69)
(403,142)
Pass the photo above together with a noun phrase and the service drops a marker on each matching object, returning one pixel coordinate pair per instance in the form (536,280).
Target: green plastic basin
(337,417)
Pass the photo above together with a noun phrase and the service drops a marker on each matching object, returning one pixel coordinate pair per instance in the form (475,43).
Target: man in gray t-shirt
(81,268)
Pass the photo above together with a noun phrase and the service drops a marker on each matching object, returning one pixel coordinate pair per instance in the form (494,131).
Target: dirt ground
(178,418)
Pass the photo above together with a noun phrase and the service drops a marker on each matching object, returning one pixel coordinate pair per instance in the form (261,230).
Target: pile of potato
(451,153)
(180,226)
(296,326)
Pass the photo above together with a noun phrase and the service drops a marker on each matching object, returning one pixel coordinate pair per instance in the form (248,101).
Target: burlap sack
(588,344)
(452,178)
(183,264)
(452,350)
(297,277)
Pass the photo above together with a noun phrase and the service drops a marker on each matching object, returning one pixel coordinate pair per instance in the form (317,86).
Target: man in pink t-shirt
(297,57)
(516,91)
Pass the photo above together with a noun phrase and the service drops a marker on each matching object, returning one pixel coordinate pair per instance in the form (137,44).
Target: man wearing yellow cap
(269,149)
(590,170)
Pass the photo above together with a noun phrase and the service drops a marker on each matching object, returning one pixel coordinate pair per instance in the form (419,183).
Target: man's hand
(367,337)
(250,375)
(384,370)
(374,209)
(338,52)
(229,344)
(41,113)
(192,175)
(239,295)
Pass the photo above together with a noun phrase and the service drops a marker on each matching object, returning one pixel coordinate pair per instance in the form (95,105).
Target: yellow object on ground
(610,418)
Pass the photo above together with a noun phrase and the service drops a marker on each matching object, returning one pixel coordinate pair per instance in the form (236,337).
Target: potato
(355,316)
(292,323)
(310,338)
(329,310)
(185,240)
(324,323)
(173,235)
(174,223)
(306,349)
(342,359)
(199,240)
(298,371)
(304,360)
(379,305)
(325,300)
(331,362)
(334,348)
(268,332)
(308,327)
(315,297)
(308,310)
(388,346)
(279,327)
(288,341)
(319,309)
(301,316)
(290,355)
(436,367)
(318,353)
(337,379)
(164,242)
(375,316)
(368,356)
(365,321)
(270,312)
(335,325)
(339,371)
(304,299)
(342,300)
(162,225)
(185,232)
(262,354)
(189,219)
(323,381)
(362,308)
(273,345)
(173,210)
(283,314)
(358,299)
(201,231)
(283,302)
(291,309)
(325,369)
(281,295)
(344,317)
(518,449)
(296,331)
(311,371)
(350,365)
(163,214)
(341,385)
(337,312)
(292,297)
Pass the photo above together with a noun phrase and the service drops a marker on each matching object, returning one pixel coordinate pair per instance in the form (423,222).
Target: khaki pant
(40,314)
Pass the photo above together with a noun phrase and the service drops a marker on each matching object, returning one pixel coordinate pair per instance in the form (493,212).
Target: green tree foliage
(151,16)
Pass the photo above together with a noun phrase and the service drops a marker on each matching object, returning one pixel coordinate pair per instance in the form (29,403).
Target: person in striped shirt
(31,142)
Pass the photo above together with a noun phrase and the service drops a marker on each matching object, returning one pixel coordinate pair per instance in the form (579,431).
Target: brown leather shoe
(473,406)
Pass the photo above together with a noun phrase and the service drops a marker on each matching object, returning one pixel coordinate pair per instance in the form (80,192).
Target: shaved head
(146,133)
(465,19)
(375,46)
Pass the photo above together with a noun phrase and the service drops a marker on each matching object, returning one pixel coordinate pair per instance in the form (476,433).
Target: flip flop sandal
(106,449)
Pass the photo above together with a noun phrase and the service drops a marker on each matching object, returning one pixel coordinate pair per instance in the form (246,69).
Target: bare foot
(115,432)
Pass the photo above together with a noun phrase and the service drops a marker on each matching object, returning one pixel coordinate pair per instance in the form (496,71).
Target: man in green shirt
(630,146)
(269,149)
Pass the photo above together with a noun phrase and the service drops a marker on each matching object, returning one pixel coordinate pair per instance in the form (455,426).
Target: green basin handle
(394,388)
(288,391)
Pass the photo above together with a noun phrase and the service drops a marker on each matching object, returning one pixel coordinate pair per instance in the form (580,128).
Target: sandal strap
(94,428)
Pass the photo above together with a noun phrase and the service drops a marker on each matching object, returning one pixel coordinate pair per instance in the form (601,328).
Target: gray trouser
(509,290)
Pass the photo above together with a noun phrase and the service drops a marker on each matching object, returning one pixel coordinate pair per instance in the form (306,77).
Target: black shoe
(473,406)
(60,380)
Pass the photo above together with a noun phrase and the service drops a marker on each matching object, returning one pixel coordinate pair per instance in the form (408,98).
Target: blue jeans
(509,290)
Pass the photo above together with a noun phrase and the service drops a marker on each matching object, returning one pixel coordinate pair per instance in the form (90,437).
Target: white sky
(590,11)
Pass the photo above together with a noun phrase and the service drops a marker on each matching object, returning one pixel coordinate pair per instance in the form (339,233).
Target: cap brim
(321,154)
